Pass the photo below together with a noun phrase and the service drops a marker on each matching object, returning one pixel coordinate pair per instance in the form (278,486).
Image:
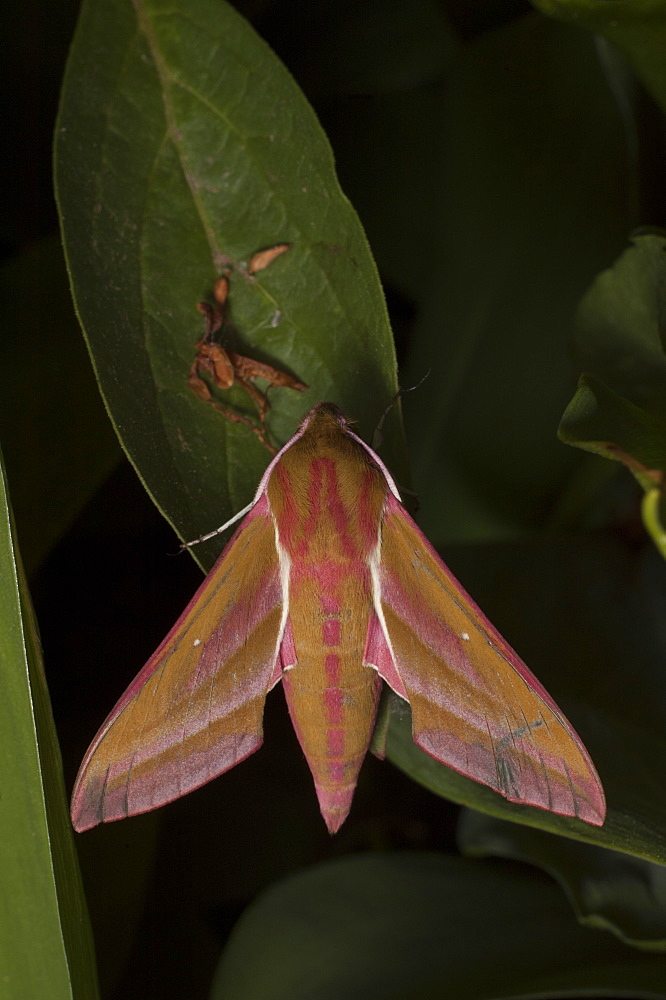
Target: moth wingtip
(83,819)
(594,811)
(87,806)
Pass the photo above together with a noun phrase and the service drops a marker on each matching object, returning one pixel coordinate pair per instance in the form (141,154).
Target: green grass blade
(45,944)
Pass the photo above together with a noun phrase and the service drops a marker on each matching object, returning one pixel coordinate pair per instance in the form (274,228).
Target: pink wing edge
(378,655)
(84,817)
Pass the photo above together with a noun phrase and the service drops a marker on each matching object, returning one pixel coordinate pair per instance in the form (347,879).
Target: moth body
(329,586)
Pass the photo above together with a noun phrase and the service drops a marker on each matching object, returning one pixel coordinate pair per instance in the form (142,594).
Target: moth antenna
(218,531)
(377,436)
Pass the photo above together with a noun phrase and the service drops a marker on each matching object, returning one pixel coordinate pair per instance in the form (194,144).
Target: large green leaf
(421,927)
(45,944)
(183,146)
(608,890)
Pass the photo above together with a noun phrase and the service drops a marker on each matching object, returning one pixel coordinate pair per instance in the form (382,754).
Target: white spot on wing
(465,636)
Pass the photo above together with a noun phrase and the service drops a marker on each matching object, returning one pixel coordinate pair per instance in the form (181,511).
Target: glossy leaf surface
(608,890)
(414,926)
(184,146)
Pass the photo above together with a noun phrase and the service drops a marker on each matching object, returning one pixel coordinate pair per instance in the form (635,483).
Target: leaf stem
(652,519)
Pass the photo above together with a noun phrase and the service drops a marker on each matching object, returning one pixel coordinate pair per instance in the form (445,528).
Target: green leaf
(621,324)
(585,615)
(636,27)
(602,421)
(619,410)
(183,146)
(608,890)
(416,926)
(45,943)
